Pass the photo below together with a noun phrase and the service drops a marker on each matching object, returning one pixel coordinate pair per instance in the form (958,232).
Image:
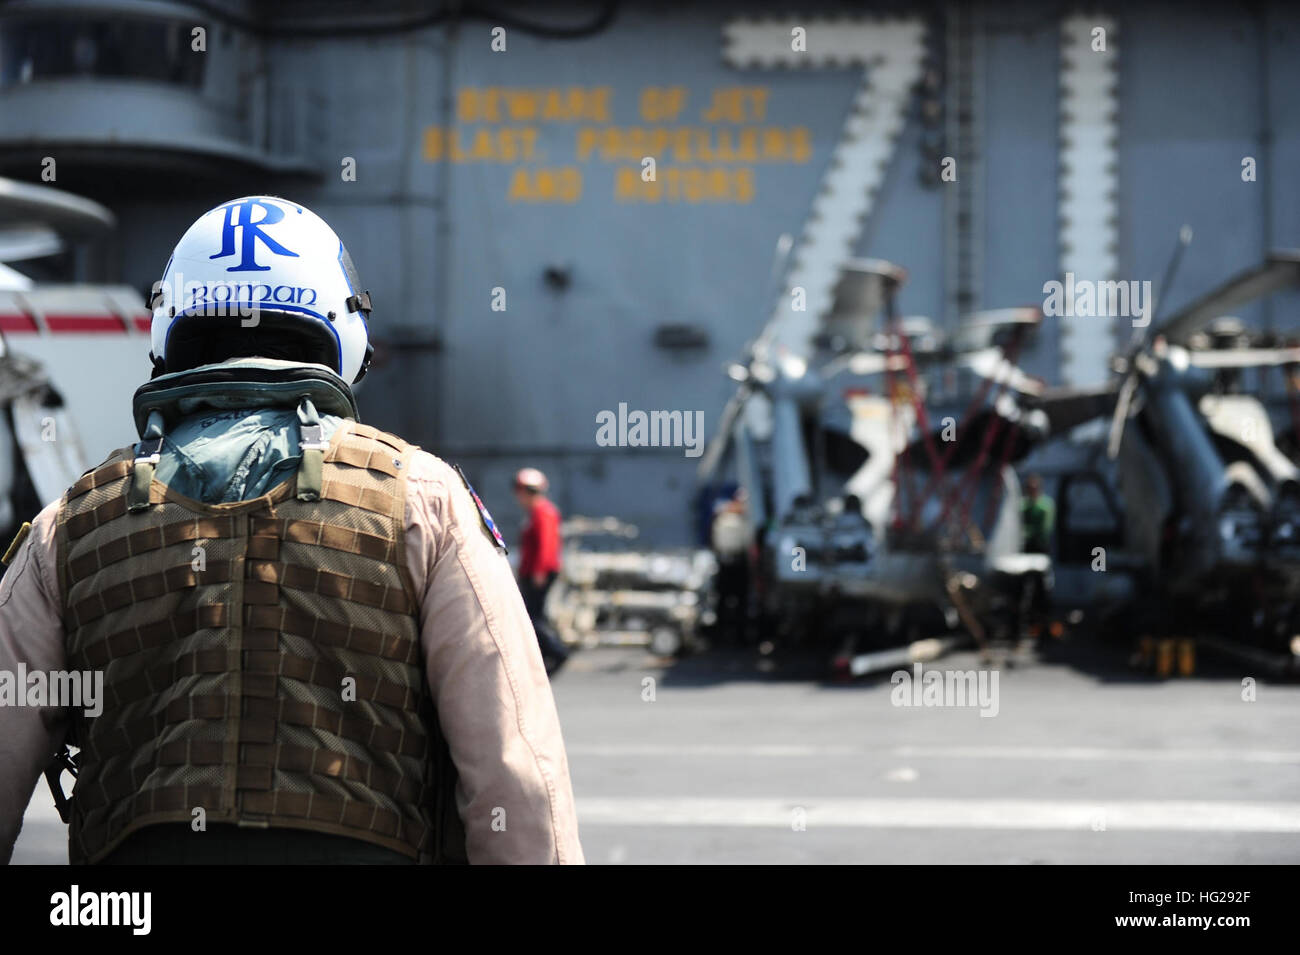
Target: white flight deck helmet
(261,271)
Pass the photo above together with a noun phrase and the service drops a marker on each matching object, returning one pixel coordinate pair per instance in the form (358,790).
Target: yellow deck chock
(1165,656)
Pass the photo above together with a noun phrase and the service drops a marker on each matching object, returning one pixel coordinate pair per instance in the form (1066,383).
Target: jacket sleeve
(485,671)
(31,634)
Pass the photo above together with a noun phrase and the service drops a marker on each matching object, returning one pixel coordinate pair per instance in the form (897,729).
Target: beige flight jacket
(485,671)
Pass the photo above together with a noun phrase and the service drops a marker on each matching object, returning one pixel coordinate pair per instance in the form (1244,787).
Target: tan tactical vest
(261,659)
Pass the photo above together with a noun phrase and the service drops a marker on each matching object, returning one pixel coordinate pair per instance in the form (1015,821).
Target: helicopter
(872,518)
(1206,505)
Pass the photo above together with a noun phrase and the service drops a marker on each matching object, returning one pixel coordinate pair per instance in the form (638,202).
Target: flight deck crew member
(729,537)
(1037,522)
(539,564)
(308,629)
(1037,517)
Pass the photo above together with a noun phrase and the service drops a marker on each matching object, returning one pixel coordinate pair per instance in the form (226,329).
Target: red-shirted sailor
(539,562)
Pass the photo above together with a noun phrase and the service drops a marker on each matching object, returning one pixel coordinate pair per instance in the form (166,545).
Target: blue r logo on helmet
(239,215)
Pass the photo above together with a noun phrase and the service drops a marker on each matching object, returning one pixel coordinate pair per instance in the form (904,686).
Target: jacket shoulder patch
(483,513)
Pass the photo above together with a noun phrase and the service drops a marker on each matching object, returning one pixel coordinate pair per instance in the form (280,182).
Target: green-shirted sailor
(1037,517)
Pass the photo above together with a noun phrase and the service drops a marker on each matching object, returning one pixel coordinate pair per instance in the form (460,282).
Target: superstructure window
(45,47)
